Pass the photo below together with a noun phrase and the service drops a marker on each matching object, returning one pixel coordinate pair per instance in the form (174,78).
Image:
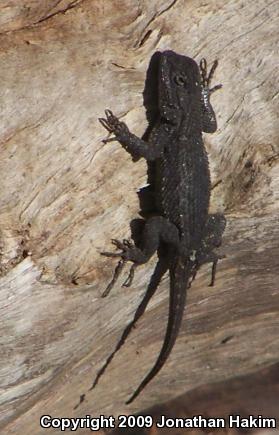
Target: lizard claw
(124,245)
(215,88)
(112,124)
(105,124)
(129,250)
(109,114)
(130,278)
(116,274)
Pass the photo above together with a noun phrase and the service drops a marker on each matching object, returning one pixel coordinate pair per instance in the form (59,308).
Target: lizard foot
(207,77)
(113,125)
(129,253)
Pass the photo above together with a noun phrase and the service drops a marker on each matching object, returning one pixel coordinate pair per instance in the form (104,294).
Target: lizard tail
(180,274)
(160,269)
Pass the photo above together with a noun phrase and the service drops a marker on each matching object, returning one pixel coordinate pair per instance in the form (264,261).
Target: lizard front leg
(209,123)
(130,142)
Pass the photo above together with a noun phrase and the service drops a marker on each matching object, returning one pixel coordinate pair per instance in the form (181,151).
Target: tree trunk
(65,194)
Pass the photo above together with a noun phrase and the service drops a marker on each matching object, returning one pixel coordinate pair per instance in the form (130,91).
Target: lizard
(183,232)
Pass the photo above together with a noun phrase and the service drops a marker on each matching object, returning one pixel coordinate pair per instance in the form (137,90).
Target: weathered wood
(65,194)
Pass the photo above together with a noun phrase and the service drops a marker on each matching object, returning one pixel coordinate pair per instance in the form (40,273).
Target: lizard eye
(180,80)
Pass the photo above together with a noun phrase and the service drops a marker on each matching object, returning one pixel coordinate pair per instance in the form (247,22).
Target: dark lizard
(183,225)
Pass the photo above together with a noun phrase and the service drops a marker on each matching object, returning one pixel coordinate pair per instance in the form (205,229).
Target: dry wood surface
(65,194)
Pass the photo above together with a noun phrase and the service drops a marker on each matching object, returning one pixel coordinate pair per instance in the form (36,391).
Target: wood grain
(65,194)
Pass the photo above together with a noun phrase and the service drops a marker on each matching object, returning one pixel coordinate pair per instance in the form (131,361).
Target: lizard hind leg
(157,229)
(117,271)
(129,252)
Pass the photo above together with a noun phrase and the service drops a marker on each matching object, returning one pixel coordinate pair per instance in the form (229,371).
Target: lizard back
(180,198)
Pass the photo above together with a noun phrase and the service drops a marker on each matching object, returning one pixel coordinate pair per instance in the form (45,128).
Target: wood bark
(65,195)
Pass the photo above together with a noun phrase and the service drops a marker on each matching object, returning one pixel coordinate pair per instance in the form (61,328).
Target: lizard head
(179,86)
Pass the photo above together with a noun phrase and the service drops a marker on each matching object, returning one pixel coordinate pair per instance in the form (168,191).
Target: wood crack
(72,5)
(146,35)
